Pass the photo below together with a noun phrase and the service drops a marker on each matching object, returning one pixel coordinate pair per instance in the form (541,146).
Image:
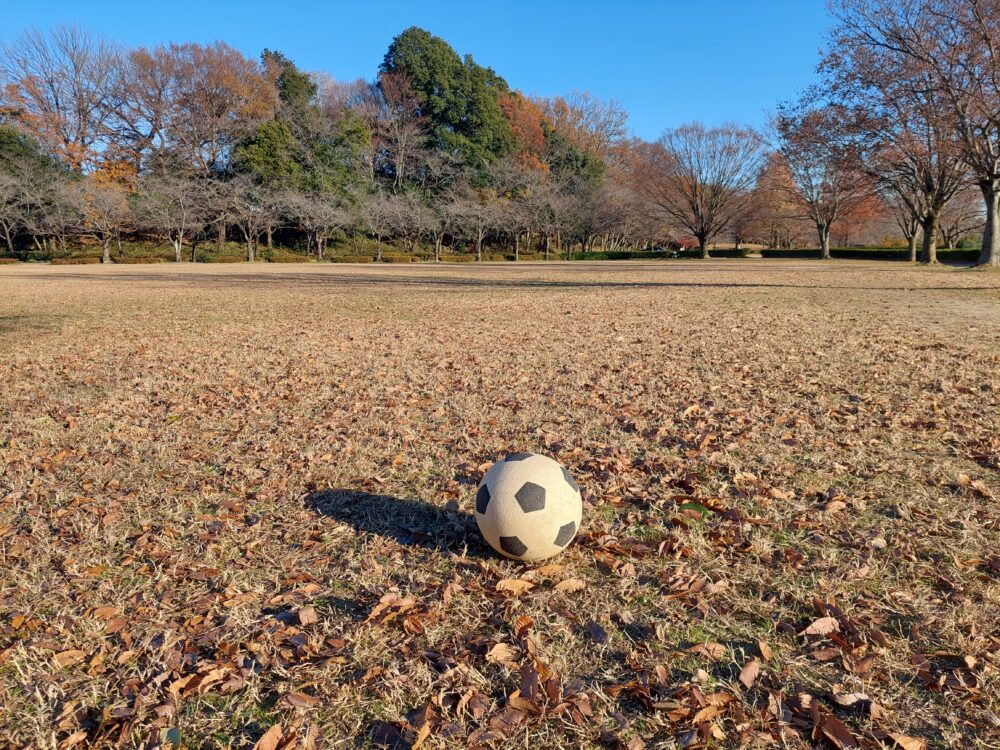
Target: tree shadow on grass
(412,523)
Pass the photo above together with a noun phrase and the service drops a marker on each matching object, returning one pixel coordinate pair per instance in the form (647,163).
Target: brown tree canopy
(60,86)
(949,48)
(701,178)
(824,162)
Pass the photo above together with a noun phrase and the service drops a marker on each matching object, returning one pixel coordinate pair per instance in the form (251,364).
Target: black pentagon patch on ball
(530,497)
(482,498)
(518,456)
(565,534)
(569,479)
(513,546)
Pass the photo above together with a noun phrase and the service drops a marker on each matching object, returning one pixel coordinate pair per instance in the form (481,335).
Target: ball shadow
(412,523)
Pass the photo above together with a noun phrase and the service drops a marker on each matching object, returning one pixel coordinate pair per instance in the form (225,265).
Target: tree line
(192,144)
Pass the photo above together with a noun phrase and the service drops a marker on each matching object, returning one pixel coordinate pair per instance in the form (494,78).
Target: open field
(235,506)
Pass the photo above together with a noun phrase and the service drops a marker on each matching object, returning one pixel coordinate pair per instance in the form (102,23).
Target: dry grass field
(235,506)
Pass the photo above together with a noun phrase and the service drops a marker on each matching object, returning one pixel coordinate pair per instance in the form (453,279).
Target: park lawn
(235,506)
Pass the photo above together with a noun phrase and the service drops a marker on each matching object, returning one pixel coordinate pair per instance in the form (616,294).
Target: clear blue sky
(666,62)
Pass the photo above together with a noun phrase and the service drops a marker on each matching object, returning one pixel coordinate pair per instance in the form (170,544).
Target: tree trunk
(479,247)
(990,255)
(320,242)
(249,247)
(378,248)
(270,243)
(194,245)
(178,241)
(912,239)
(824,241)
(928,253)
(703,246)
(547,239)
(106,242)
(222,237)
(437,249)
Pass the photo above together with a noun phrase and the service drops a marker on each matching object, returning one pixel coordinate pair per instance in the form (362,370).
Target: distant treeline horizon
(192,144)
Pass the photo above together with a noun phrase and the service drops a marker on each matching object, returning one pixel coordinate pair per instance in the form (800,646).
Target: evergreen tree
(459,98)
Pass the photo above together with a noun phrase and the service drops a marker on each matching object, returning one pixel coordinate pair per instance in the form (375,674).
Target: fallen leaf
(749,673)
(69,658)
(822,626)
(837,732)
(270,739)
(422,734)
(500,654)
(516,586)
(550,570)
(74,739)
(301,700)
(908,743)
(849,700)
(570,585)
(307,616)
(507,722)
(711,650)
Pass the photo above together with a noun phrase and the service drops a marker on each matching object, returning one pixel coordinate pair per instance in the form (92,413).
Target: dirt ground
(236,506)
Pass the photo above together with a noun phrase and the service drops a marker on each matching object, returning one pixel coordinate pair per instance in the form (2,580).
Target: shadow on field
(27,323)
(446,278)
(412,523)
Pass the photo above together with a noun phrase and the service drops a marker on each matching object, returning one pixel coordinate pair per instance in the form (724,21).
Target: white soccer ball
(528,507)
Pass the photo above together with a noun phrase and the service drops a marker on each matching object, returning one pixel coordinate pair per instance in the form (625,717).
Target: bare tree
(54,211)
(701,178)
(823,161)
(962,217)
(910,146)
(439,220)
(13,208)
(476,214)
(593,125)
(144,104)
(400,128)
(251,208)
(319,215)
(953,46)
(219,96)
(407,217)
(906,212)
(106,212)
(376,214)
(60,87)
(176,207)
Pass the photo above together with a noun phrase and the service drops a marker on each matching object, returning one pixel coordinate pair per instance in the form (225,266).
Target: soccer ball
(528,507)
